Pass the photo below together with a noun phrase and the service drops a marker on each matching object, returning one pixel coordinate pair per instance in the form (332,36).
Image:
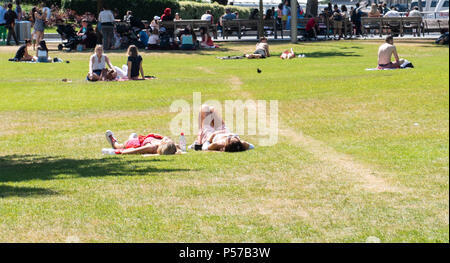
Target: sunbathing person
(215,136)
(385,53)
(139,144)
(97,66)
(262,50)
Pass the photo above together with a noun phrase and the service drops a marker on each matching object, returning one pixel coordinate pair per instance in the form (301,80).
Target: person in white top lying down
(215,136)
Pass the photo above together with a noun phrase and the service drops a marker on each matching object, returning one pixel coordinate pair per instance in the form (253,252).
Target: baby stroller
(129,34)
(69,35)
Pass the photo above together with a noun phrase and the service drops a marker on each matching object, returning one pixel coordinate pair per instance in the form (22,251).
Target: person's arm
(141,69)
(267,51)
(91,62)
(216,147)
(109,63)
(147,149)
(129,69)
(397,59)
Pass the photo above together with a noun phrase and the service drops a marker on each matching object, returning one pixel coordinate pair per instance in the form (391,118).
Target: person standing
(2,23)
(10,18)
(19,11)
(106,20)
(39,25)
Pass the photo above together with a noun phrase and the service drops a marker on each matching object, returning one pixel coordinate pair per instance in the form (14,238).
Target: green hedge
(144,9)
(147,9)
(193,10)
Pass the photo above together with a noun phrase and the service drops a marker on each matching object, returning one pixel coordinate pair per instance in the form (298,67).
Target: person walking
(10,18)
(106,20)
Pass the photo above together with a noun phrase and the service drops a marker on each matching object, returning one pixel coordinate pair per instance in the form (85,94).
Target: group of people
(39,17)
(213,136)
(23,53)
(101,68)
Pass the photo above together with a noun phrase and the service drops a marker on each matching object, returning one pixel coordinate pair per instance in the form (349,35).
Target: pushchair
(69,35)
(129,34)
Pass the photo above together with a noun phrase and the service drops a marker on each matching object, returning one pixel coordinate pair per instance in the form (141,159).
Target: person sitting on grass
(42,52)
(22,53)
(153,40)
(134,63)
(140,144)
(207,41)
(214,135)
(187,40)
(385,53)
(262,50)
(97,66)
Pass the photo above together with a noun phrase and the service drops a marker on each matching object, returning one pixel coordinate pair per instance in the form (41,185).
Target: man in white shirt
(106,20)
(392,13)
(415,12)
(207,16)
(385,53)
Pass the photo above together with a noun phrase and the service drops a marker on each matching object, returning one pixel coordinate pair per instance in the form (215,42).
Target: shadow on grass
(14,191)
(322,54)
(19,168)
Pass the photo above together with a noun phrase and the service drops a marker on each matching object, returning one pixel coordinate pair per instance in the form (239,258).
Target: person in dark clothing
(134,64)
(10,18)
(22,53)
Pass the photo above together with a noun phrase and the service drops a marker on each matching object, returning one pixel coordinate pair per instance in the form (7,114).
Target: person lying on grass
(97,66)
(385,53)
(262,50)
(215,136)
(140,144)
(22,53)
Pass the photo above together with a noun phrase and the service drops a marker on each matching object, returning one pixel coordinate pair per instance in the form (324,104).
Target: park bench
(392,24)
(243,26)
(435,25)
(194,24)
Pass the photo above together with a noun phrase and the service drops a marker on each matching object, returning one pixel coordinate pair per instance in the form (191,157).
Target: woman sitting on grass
(207,41)
(97,66)
(215,136)
(262,50)
(22,53)
(134,64)
(42,52)
(139,144)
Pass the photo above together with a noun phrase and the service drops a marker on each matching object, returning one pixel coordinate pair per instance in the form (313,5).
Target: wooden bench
(245,25)
(435,25)
(399,24)
(194,24)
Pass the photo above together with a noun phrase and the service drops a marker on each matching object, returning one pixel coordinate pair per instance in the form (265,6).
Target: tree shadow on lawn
(14,191)
(19,168)
(321,54)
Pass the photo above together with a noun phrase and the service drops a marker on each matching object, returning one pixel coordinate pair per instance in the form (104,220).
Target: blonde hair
(97,47)
(167,149)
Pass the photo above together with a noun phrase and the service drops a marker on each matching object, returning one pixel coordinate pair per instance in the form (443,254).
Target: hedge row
(147,9)
(144,9)
(193,10)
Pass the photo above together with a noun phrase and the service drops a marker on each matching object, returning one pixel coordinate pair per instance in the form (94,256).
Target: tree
(99,5)
(221,2)
(261,17)
(312,7)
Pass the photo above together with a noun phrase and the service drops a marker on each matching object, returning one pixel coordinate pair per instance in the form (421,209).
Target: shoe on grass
(110,138)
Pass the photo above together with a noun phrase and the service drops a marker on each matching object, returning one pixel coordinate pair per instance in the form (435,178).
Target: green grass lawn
(360,153)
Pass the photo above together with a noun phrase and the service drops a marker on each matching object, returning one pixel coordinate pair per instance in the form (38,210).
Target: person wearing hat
(155,23)
(167,16)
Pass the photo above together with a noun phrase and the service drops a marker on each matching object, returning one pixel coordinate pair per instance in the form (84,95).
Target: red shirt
(311,24)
